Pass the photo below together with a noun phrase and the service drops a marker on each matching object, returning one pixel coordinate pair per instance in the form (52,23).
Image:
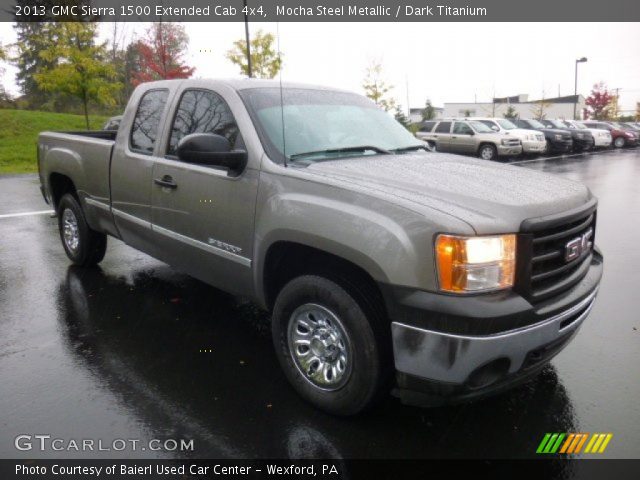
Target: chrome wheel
(486,153)
(319,346)
(70,230)
(619,142)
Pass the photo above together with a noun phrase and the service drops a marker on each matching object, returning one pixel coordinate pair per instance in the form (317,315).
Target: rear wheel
(82,245)
(619,142)
(329,344)
(488,152)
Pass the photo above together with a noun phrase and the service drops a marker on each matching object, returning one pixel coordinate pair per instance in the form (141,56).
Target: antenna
(284,142)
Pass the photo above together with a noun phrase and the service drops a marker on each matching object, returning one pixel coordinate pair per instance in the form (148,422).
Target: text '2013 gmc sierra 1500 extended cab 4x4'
(384,265)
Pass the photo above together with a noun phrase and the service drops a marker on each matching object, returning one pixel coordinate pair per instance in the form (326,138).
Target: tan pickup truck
(471,137)
(380,261)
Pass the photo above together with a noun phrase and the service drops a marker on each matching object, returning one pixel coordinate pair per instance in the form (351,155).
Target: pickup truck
(385,266)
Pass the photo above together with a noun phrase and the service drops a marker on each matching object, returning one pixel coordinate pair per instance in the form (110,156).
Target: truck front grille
(555,255)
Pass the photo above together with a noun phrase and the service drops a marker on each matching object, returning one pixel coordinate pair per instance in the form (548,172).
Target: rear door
(204,220)
(132,168)
(462,138)
(442,136)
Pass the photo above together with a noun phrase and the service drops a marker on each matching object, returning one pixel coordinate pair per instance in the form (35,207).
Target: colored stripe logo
(573,443)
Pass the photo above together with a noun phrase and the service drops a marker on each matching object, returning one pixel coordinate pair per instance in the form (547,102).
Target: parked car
(558,140)
(113,123)
(582,139)
(532,141)
(634,127)
(375,256)
(621,137)
(470,137)
(601,138)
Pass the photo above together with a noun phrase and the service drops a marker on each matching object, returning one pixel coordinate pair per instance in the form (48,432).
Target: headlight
(558,137)
(475,264)
(629,134)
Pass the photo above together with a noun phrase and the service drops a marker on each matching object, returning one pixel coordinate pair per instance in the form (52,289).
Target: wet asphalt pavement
(118,352)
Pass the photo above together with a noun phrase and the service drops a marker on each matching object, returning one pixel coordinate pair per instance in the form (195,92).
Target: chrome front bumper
(451,358)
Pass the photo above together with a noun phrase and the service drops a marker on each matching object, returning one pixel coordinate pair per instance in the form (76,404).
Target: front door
(202,217)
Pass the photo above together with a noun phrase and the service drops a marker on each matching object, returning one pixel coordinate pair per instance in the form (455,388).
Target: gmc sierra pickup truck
(384,265)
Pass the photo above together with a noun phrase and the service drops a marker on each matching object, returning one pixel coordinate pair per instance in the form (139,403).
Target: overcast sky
(447,62)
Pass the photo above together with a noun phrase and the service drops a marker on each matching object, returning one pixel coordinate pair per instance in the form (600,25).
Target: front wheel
(619,142)
(327,345)
(488,152)
(83,246)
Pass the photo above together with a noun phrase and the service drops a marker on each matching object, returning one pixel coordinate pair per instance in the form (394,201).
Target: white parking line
(26,214)
(544,159)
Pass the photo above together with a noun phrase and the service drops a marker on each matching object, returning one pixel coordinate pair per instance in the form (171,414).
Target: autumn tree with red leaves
(160,54)
(599,102)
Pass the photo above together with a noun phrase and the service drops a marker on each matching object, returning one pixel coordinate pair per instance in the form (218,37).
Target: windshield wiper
(359,148)
(412,148)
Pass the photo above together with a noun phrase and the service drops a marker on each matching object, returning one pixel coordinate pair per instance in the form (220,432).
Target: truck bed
(84,156)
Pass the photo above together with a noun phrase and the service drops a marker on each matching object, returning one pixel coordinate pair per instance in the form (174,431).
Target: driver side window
(202,111)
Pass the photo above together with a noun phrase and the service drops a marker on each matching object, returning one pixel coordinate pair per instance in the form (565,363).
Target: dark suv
(582,139)
(558,140)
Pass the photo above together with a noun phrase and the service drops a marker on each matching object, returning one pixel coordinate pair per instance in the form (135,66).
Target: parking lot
(135,349)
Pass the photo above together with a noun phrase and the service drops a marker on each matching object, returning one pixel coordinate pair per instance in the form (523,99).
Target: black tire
(368,341)
(91,245)
(620,142)
(488,152)
(433,146)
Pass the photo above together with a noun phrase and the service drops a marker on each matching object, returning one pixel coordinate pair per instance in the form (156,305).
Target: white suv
(602,138)
(533,141)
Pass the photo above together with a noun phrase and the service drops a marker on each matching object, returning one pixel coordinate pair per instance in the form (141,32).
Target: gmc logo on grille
(579,245)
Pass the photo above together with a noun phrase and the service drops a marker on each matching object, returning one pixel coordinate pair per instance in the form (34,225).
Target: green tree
(377,89)
(32,39)
(511,113)
(82,68)
(266,62)
(400,116)
(429,111)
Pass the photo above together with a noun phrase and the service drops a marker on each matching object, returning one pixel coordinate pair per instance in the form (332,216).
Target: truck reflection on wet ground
(193,362)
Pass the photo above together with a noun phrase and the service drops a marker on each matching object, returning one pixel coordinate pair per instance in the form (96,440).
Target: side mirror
(495,128)
(471,132)
(211,149)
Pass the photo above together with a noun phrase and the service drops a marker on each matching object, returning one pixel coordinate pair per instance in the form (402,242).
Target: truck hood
(490,197)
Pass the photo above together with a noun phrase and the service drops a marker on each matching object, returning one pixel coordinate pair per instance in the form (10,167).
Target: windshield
(506,124)
(557,124)
(536,124)
(480,127)
(323,124)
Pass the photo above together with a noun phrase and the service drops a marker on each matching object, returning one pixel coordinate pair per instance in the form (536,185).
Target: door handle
(454,137)
(166,181)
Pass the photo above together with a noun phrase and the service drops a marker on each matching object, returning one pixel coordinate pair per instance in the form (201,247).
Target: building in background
(415,114)
(558,107)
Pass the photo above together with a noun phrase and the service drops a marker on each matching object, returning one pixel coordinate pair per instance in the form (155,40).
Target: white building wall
(524,110)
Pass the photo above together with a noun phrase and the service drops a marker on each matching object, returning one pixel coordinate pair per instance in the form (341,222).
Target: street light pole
(575,89)
(246,34)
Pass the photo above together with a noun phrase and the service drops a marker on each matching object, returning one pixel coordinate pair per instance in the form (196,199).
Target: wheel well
(286,260)
(486,143)
(60,185)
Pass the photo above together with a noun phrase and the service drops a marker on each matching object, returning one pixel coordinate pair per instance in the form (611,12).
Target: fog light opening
(489,373)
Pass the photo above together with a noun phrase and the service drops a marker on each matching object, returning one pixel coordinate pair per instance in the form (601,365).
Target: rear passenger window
(202,111)
(462,128)
(443,127)
(144,130)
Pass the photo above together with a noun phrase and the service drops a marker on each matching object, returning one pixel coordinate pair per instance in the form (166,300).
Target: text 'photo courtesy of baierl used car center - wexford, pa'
(346,240)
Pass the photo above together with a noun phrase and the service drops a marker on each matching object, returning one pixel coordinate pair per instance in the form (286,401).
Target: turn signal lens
(475,264)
